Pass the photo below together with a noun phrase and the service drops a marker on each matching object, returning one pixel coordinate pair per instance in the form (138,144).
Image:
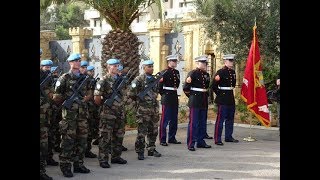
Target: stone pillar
(45,37)
(164,54)
(78,37)
(157,30)
(188,46)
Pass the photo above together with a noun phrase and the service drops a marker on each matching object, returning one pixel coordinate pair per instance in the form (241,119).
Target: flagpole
(250,138)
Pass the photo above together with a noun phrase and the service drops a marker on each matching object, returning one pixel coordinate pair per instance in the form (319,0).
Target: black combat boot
(154,153)
(57,149)
(96,142)
(104,164)
(51,162)
(90,154)
(118,160)
(141,155)
(124,148)
(80,168)
(66,169)
(44,176)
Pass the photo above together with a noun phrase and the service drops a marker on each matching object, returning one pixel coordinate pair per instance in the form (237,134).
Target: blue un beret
(84,63)
(46,62)
(147,62)
(113,61)
(74,56)
(53,68)
(90,68)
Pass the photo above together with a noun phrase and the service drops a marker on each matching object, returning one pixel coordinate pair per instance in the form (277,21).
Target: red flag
(253,91)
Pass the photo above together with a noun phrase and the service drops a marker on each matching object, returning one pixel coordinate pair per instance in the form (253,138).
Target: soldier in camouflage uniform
(45,99)
(112,118)
(53,128)
(74,125)
(147,112)
(56,116)
(93,112)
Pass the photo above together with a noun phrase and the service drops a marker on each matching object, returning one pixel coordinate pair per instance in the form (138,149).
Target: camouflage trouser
(74,131)
(147,120)
(111,128)
(93,121)
(43,136)
(54,136)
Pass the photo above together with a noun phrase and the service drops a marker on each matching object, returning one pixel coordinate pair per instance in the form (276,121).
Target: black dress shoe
(191,149)
(232,140)
(118,160)
(208,137)
(104,164)
(174,142)
(90,154)
(52,162)
(204,146)
(164,144)
(219,143)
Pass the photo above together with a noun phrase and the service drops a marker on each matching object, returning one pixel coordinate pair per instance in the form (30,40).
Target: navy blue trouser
(169,116)
(225,114)
(196,126)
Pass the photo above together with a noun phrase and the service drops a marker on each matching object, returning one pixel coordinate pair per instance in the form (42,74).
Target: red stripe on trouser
(161,124)
(190,132)
(217,124)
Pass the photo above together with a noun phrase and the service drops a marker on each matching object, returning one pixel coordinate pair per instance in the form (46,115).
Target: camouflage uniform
(44,106)
(147,113)
(93,117)
(112,121)
(74,125)
(54,136)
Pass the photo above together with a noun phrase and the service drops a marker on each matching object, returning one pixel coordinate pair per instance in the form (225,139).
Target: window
(165,0)
(181,4)
(165,13)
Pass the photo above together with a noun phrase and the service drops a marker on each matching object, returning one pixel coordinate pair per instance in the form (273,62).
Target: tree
(61,17)
(232,20)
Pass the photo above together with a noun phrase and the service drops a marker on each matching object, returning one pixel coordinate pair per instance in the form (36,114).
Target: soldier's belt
(198,89)
(169,88)
(226,88)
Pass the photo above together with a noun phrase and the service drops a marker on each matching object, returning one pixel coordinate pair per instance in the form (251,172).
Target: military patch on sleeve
(98,86)
(133,85)
(58,83)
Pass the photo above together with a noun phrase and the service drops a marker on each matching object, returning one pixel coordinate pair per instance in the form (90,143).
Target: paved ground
(245,160)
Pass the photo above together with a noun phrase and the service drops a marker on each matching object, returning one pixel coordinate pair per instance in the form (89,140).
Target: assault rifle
(44,83)
(146,91)
(117,88)
(94,81)
(76,93)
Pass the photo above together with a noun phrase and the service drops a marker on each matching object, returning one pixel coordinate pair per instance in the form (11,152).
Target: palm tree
(120,42)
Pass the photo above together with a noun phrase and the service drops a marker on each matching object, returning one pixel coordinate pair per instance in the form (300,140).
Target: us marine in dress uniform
(112,120)
(168,86)
(223,84)
(196,89)
(45,100)
(74,124)
(147,111)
